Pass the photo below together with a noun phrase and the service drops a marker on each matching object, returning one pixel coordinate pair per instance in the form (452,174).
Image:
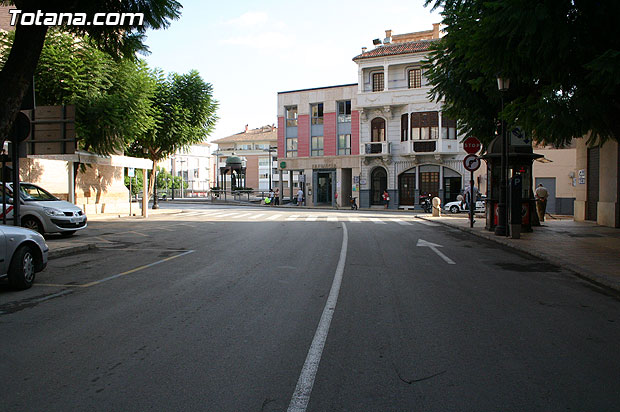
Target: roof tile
(397,48)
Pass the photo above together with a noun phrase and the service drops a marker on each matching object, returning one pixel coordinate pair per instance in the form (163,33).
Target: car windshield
(34,193)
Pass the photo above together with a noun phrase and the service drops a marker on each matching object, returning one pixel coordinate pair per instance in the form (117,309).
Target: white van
(45,213)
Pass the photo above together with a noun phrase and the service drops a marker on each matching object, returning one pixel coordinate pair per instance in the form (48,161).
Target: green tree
(120,41)
(562,57)
(113,98)
(185,114)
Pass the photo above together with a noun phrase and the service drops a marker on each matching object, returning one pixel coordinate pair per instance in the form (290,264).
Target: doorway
(429,183)
(378,183)
(406,189)
(324,188)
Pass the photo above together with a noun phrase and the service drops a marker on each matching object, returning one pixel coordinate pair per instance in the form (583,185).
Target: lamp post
(270,150)
(502,211)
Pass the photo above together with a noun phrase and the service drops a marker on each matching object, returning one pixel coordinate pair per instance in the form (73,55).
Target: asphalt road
(237,309)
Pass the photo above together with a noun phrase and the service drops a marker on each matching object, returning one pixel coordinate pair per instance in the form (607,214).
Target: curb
(73,250)
(595,278)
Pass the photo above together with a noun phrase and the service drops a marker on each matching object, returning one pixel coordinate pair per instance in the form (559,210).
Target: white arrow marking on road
(433,247)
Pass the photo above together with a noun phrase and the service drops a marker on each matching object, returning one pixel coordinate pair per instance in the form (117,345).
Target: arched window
(377,127)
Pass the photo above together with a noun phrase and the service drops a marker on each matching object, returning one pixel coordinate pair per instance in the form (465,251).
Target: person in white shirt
(541,195)
(300,197)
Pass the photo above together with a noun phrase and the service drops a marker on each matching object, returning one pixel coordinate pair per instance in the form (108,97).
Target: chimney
(388,33)
(436,30)
(246,128)
(364,49)
(388,37)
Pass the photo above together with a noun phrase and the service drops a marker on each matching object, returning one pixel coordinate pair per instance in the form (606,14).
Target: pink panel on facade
(281,143)
(355,132)
(303,135)
(330,141)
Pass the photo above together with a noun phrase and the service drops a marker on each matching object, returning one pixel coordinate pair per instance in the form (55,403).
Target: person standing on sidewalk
(300,197)
(277,197)
(386,198)
(541,195)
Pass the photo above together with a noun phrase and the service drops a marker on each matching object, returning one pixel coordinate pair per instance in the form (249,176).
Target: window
(377,82)
(424,126)
(291,116)
(317,146)
(415,78)
(263,161)
(403,127)
(263,176)
(377,127)
(344,111)
(291,147)
(244,147)
(344,144)
(261,146)
(448,128)
(316,110)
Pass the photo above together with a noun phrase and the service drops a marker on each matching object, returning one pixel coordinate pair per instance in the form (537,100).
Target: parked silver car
(23,252)
(45,213)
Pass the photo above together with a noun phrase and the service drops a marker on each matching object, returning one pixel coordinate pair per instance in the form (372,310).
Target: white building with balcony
(407,146)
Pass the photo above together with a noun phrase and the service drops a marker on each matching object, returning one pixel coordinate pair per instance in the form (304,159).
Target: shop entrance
(324,188)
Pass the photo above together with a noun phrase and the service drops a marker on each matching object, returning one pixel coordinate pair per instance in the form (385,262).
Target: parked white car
(457,206)
(45,213)
(23,252)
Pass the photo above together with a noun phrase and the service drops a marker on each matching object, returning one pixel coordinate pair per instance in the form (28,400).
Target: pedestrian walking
(541,195)
(300,197)
(277,197)
(386,198)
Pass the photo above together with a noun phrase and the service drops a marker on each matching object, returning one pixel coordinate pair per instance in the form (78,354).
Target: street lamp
(270,150)
(502,211)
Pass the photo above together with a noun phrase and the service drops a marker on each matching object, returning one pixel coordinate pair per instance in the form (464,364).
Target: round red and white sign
(472,145)
(471,162)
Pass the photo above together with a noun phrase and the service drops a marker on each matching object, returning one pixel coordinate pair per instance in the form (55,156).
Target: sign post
(472,163)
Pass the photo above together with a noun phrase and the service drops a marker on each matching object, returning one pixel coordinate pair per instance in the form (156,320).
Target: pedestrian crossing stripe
(274,217)
(311,218)
(401,222)
(376,221)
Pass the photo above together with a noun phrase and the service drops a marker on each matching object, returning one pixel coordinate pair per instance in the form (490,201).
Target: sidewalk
(590,251)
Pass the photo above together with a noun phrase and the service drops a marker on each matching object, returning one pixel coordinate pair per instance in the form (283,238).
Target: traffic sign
(471,162)
(472,145)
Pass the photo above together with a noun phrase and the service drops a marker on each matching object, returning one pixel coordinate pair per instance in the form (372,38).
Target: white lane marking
(243,215)
(427,223)
(293,217)
(301,396)
(257,216)
(311,218)
(332,219)
(402,222)
(376,221)
(354,219)
(433,247)
(274,217)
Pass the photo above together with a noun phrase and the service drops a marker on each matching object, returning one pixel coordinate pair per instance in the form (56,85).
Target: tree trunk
(16,76)
(152,178)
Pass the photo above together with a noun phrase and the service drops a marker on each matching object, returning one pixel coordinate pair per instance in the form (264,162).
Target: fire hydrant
(436,207)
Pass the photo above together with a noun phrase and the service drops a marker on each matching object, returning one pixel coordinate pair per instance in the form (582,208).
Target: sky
(249,51)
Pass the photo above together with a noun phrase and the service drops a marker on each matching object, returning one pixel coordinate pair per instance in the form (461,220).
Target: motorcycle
(426,203)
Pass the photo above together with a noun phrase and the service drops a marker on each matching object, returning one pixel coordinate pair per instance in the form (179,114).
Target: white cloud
(266,40)
(249,19)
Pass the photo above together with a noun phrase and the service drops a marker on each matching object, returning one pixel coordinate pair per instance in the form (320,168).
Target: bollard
(436,207)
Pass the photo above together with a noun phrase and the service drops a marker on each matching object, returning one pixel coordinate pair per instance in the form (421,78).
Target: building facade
(257,148)
(598,183)
(318,144)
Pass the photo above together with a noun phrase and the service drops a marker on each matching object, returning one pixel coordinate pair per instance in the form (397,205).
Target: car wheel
(67,233)
(22,269)
(454,209)
(33,224)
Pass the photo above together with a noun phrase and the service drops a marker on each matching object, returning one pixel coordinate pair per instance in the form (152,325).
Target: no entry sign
(472,145)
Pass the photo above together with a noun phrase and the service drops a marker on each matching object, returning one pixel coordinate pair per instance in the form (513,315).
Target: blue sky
(250,51)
